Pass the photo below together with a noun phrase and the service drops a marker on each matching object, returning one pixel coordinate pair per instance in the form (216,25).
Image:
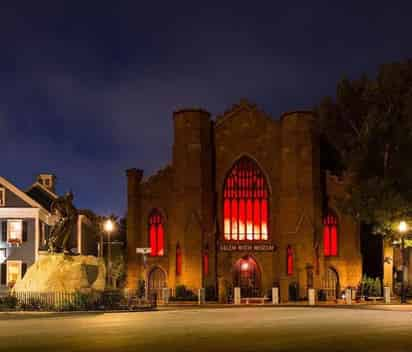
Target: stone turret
(192,162)
(134,218)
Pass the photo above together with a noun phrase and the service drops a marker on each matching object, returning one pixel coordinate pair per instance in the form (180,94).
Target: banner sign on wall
(241,247)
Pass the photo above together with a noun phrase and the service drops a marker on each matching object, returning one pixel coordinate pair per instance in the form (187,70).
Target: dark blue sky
(87,90)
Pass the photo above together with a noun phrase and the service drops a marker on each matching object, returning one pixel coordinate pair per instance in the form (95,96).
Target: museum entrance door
(246,275)
(156,283)
(331,284)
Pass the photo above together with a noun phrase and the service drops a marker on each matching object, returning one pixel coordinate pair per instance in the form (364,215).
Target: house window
(3,254)
(2,197)
(245,203)
(156,233)
(14,231)
(330,234)
(13,272)
(289,255)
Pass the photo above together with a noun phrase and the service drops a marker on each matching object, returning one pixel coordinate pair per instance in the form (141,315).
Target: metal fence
(107,300)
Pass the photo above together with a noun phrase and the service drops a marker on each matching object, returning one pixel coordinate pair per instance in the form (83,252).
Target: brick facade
(189,194)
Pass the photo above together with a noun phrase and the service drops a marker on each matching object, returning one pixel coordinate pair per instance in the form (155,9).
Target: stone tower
(193,184)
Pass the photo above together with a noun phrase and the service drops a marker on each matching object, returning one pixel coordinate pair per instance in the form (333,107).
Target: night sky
(87,90)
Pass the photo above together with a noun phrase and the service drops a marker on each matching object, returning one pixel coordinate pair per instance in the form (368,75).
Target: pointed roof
(42,195)
(25,197)
(244,105)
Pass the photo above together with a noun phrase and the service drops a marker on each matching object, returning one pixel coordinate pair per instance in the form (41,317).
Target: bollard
(166,295)
(236,295)
(311,296)
(275,295)
(201,296)
(348,296)
(387,294)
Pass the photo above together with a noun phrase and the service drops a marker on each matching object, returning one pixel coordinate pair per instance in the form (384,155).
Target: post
(404,276)
(236,295)
(166,295)
(387,294)
(275,295)
(311,296)
(201,296)
(109,260)
(348,296)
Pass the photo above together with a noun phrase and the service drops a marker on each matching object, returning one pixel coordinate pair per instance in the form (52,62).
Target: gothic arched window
(206,261)
(245,203)
(178,260)
(330,234)
(156,233)
(289,260)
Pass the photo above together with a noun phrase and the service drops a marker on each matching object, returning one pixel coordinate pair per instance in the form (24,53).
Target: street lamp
(108,227)
(403,229)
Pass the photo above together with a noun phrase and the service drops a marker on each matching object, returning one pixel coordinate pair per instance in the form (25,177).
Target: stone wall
(188,193)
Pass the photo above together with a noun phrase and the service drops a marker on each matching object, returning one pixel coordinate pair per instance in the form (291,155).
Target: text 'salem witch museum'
(244,203)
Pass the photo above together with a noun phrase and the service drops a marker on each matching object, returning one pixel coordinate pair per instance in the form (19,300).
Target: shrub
(9,302)
(210,293)
(322,295)
(371,287)
(183,294)
(112,299)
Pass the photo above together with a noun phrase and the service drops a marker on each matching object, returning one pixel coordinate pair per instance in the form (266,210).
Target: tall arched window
(156,233)
(205,263)
(178,260)
(289,260)
(245,203)
(330,234)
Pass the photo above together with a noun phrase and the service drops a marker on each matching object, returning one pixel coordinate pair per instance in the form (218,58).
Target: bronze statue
(67,220)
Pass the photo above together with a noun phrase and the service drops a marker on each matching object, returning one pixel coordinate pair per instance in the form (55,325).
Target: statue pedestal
(57,272)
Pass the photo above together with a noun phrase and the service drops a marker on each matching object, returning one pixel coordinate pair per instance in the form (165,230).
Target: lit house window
(3,254)
(2,197)
(14,231)
(13,272)
(156,233)
(245,203)
(330,234)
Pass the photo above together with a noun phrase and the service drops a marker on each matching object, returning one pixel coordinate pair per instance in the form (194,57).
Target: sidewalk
(5,315)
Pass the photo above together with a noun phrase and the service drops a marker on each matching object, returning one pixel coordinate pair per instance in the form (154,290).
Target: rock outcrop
(63,273)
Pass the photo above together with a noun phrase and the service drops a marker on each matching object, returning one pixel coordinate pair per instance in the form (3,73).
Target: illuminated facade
(244,202)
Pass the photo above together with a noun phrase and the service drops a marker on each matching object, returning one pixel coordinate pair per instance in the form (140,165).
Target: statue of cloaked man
(67,216)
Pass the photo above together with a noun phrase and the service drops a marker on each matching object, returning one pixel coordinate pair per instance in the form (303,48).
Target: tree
(369,124)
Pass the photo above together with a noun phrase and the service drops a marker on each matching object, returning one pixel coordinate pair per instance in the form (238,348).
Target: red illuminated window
(156,233)
(289,255)
(245,203)
(330,234)
(206,262)
(178,260)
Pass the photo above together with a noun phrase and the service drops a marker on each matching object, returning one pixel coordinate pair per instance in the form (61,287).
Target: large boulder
(63,273)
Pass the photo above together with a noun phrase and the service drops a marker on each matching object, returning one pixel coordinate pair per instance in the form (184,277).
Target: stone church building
(243,203)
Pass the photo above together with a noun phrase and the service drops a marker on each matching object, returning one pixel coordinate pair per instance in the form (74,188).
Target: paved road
(212,330)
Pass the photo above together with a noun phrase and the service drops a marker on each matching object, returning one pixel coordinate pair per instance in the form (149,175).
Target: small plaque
(143,250)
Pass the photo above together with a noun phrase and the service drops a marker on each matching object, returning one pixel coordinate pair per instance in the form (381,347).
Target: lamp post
(403,228)
(108,228)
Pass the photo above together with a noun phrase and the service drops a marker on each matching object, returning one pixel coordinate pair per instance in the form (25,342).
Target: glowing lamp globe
(108,226)
(403,227)
(244,266)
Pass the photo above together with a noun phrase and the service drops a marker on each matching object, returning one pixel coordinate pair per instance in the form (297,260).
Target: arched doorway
(331,284)
(156,282)
(246,275)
